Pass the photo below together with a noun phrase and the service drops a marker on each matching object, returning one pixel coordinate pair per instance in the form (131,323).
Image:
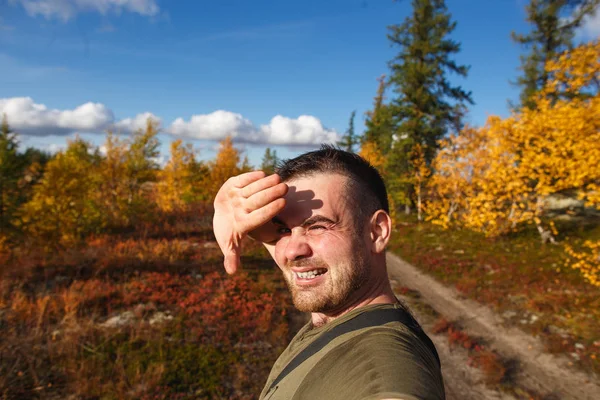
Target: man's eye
(282,230)
(316,227)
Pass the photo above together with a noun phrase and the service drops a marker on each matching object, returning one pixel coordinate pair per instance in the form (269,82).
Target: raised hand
(244,204)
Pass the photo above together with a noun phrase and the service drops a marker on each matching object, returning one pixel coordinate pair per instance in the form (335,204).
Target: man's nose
(297,247)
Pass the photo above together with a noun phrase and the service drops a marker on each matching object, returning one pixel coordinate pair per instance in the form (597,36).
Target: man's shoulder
(391,341)
(386,361)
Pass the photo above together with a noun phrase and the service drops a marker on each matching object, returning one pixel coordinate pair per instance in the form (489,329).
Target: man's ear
(381,229)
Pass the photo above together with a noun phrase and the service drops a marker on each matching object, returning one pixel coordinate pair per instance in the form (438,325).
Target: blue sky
(284,74)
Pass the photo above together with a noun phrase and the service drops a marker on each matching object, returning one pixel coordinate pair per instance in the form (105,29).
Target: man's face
(321,249)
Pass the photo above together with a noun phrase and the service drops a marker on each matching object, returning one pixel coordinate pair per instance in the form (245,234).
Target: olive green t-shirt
(379,362)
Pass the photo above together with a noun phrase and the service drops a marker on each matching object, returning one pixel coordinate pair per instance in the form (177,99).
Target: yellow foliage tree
(62,209)
(370,152)
(505,171)
(586,261)
(126,175)
(114,191)
(225,165)
(182,179)
(451,186)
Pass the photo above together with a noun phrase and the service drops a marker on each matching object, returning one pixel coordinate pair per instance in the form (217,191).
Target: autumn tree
(114,182)
(460,158)
(140,163)
(62,209)
(500,175)
(182,179)
(10,173)
(269,161)
(349,139)
(127,170)
(226,164)
(553,27)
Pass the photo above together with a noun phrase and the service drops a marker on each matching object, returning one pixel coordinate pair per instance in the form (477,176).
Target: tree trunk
(407,209)
(419,214)
(545,234)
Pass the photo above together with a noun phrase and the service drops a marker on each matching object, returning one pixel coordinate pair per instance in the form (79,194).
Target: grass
(522,279)
(141,314)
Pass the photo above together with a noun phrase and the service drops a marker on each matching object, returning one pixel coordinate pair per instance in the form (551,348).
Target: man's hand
(243,205)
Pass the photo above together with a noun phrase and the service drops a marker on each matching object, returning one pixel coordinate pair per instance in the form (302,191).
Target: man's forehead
(318,180)
(316,194)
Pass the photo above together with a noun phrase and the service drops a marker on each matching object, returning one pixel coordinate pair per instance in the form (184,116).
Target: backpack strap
(365,320)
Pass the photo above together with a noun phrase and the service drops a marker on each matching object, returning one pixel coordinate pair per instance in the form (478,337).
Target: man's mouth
(310,274)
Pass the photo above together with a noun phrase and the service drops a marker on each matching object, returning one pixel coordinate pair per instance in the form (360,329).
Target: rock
(579,346)
(558,202)
(123,319)
(533,319)
(459,252)
(160,318)
(509,314)
(575,356)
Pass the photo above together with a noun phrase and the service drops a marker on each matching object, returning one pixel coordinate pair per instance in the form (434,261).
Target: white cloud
(215,126)
(29,118)
(306,130)
(129,125)
(591,26)
(67,9)
(32,119)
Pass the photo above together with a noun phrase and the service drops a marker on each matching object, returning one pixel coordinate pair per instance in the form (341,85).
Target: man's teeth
(310,274)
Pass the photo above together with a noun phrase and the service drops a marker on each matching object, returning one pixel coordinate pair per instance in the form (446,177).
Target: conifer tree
(427,105)
(349,139)
(10,173)
(269,161)
(554,23)
(379,122)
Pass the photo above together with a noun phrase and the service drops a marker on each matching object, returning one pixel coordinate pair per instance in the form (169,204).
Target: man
(324,219)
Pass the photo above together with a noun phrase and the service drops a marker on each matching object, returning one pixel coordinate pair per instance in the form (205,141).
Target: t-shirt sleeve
(381,363)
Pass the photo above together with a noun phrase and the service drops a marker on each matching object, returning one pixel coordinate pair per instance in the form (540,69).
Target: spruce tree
(269,161)
(10,173)
(349,139)
(554,23)
(379,122)
(427,105)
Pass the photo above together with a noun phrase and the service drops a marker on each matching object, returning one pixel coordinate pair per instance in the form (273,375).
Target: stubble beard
(342,281)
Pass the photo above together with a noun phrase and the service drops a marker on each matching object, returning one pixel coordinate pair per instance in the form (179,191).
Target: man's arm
(243,205)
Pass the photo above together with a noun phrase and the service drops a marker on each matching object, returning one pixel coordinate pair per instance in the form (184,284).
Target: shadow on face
(301,203)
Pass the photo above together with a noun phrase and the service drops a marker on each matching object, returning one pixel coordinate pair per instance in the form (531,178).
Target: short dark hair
(364,181)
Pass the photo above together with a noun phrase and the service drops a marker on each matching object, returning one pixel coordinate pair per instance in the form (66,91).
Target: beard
(342,281)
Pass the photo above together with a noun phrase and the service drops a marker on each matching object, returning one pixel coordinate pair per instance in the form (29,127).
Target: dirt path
(549,375)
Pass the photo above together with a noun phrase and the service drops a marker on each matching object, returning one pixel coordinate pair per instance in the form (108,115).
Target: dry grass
(139,315)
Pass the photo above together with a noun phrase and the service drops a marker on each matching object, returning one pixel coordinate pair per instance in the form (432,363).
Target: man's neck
(382,296)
